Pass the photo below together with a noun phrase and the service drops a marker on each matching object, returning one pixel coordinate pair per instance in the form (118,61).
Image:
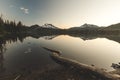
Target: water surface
(28,54)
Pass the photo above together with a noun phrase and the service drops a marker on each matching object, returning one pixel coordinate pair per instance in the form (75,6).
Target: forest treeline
(9,27)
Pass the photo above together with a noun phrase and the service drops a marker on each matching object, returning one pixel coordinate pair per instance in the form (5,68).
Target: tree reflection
(3,41)
(2,50)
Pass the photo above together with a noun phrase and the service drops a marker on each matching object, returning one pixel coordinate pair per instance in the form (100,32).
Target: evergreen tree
(1,24)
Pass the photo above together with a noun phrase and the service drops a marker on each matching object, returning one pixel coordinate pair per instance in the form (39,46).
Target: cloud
(25,10)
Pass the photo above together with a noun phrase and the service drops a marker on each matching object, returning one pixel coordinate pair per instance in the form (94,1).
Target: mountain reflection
(14,38)
(49,37)
(94,36)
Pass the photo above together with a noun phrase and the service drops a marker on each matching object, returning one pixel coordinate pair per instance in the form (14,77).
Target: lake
(28,54)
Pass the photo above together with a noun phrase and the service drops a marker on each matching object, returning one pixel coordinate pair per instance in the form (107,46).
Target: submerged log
(92,70)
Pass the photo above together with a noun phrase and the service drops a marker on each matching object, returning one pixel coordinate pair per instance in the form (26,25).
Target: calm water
(29,54)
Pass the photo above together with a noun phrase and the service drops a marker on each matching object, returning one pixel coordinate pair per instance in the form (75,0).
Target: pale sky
(62,13)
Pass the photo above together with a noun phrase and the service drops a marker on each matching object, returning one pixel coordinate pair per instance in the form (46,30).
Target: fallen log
(97,72)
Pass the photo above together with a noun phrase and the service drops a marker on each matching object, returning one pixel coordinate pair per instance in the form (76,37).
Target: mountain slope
(114,26)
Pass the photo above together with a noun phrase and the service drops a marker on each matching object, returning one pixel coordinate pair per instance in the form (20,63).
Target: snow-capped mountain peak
(88,26)
(49,26)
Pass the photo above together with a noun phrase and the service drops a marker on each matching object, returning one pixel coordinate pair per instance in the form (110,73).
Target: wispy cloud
(25,10)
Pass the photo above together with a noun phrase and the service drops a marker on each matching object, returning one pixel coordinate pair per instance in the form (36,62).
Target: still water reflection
(27,54)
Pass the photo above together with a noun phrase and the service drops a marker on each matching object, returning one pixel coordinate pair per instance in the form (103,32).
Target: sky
(62,13)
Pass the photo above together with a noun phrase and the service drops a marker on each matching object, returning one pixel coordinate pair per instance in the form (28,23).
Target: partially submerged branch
(16,78)
(81,67)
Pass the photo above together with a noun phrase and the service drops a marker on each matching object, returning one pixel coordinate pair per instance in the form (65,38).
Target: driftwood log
(97,72)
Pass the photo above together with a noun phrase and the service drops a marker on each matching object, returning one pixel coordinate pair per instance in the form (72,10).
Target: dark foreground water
(18,56)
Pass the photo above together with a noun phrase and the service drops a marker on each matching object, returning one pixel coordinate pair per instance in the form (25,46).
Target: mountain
(85,26)
(45,26)
(46,29)
(34,26)
(95,27)
(88,26)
